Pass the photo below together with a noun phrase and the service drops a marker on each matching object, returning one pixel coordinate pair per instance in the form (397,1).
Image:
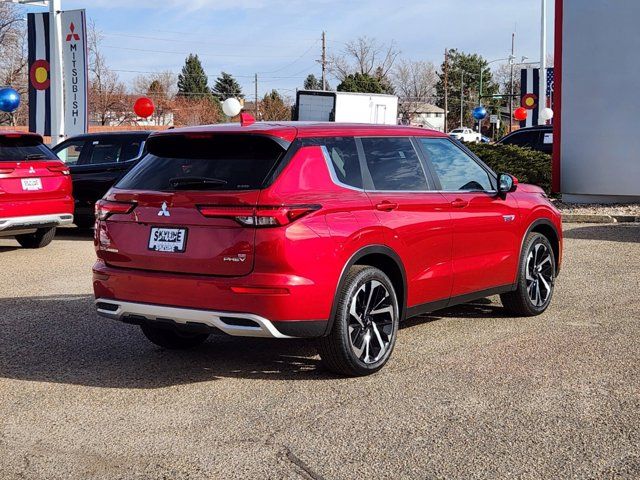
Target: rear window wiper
(179,182)
(35,156)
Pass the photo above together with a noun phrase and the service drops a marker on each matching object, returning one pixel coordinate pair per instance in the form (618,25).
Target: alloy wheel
(539,274)
(371,322)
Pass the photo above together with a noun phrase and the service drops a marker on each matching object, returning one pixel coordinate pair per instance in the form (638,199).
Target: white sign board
(494,119)
(548,138)
(74,68)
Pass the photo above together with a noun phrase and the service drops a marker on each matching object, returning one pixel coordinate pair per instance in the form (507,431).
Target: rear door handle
(459,203)
(386,206)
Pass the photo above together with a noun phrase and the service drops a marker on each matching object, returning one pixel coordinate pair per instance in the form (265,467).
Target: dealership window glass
(455,169)
(394,164)
(71,153)
(343,154)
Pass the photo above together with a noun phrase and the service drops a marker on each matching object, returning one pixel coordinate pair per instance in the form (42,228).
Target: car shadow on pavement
(482,308)
(74,233)
(613,232)
(60,339)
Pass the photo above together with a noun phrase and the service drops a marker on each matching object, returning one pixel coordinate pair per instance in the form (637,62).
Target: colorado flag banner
(39,80)
(530,91)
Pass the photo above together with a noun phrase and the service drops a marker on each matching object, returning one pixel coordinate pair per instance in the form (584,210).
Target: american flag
(549,81)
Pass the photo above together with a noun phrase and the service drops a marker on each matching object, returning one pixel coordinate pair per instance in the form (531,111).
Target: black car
(537,138)
(97,161)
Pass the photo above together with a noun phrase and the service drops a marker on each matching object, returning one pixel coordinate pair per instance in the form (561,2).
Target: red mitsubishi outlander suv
(334,231)
(35,190)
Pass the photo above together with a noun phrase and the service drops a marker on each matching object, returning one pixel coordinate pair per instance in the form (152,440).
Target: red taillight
(6,171)
(106,208)
(63,169)
(261,216)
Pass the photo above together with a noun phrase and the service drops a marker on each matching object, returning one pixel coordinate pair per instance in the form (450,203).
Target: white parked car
(466,135)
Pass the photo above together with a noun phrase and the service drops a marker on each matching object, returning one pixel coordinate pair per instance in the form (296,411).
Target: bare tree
(366,56)
(161,88)
(108,100)
(13,59)
(415,84)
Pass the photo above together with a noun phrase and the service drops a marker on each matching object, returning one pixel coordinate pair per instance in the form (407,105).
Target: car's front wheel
(171,338)
(365,325)
(41,238)
(536,278)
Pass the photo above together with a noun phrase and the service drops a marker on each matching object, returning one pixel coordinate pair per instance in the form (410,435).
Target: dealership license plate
(172,240)
(31,184)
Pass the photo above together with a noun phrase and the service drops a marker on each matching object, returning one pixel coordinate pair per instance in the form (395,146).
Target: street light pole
(461,96)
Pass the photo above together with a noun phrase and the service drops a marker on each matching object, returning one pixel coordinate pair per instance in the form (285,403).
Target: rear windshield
(217,162)
(20,149)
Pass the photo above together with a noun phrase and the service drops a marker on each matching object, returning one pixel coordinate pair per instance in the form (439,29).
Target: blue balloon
(479,113)
(9,100)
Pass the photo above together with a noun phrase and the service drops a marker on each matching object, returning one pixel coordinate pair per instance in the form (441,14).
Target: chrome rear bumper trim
(119,310)
(34,221)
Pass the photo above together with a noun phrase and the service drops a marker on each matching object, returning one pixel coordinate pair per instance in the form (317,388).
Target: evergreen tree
(273,107)
(192,81)
(471,65)
(362,83)
(312,83)
(226,87)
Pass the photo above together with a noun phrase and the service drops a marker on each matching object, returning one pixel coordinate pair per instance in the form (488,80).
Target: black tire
(41,238)
(172,338)
(520,301)
(377,331)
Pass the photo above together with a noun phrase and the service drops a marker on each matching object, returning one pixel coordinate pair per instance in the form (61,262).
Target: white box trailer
(346,107)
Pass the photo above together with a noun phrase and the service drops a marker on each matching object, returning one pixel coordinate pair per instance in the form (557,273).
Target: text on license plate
(30,184)
(168,239)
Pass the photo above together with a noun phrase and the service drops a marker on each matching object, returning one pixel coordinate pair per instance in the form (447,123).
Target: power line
(203,55)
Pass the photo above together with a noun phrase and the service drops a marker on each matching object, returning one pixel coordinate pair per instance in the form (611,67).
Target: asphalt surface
(468,393)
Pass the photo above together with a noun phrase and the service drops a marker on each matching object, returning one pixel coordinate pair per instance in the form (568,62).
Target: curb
(593,218)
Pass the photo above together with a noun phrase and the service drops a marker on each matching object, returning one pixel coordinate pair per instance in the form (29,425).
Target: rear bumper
(237,324)
(272,305)
(35,221)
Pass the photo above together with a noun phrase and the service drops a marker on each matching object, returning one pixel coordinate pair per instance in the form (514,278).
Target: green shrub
(528,166)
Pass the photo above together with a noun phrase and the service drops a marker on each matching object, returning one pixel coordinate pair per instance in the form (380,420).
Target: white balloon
(546,114)
(231,107)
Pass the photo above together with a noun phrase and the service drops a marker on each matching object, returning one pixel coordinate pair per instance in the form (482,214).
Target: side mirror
(506,183)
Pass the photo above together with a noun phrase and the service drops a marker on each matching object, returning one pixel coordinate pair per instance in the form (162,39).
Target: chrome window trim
(332,171)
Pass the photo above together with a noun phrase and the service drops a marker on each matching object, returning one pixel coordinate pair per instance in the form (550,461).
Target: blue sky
(279,39)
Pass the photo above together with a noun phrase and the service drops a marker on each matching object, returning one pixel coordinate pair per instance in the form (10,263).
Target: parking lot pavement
(468,392)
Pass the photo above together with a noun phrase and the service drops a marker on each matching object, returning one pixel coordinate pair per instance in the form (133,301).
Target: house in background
(424,115)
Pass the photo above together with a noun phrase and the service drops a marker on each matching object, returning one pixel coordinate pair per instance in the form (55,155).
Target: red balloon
(144,107)
(520,113)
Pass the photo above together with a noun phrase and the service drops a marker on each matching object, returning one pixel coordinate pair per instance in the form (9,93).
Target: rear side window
(343,154)
(394,164)
(523,139)
(104,152)
(204,162)
(130,149)
(22,148)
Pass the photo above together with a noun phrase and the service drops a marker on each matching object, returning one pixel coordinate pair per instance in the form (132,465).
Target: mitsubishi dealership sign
(74,67)
(73,87)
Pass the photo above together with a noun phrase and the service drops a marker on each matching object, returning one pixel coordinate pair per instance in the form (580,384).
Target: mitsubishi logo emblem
(73,34)
(164,211)
(31,170)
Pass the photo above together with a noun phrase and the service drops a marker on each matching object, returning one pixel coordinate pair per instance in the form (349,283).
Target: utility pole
(513,39)
(256,95)
(461,96)
(324,60)
(542,97)
(446,89)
